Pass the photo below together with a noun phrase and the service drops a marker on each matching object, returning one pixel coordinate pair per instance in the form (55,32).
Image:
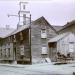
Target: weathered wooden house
(69,27)
(41,32)
(64,43)
(29,42)
(15,46)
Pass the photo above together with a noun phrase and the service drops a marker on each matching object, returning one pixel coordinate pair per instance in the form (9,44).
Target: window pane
(71,47)
(22,50)
(44,50)
(8,52)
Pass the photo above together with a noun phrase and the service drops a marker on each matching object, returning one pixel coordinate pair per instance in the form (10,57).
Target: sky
(57,12)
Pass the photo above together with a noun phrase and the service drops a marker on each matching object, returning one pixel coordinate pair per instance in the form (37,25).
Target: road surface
(40,69)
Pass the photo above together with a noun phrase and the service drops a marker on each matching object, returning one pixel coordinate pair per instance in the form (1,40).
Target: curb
(16,66)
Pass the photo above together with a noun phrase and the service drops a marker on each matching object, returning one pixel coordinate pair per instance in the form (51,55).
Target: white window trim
(44,50)
(22,49)
(43,35)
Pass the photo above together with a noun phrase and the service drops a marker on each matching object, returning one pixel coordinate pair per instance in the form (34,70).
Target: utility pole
(22,21)
(30,41)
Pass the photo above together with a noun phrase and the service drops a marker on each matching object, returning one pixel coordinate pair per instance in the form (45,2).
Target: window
(23,6)
(0,52)
(24,19)
(8,52)
(4,52)
(44,50)
(22,50)
(43,33)
(71,47)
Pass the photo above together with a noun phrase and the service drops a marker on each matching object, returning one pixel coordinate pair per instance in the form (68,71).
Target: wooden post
(30,40)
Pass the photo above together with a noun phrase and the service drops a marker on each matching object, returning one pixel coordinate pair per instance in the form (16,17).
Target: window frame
(43,51)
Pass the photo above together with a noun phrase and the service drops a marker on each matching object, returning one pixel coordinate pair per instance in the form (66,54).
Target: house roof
(68,24)
(58,37)
(8,32)
(57,28)
(43,21)
(4,32)
(18,30)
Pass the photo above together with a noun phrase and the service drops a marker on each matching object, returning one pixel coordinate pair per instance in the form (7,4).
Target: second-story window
(43,33)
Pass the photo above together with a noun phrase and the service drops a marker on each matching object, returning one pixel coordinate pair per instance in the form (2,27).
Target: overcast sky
(57,12)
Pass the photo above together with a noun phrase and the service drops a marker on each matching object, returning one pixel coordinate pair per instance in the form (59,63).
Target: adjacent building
(64,43)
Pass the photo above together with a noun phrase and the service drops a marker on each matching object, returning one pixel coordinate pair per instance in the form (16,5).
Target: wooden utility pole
(21,13)
(30,40)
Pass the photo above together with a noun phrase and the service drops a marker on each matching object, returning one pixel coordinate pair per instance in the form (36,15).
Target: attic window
(43,27)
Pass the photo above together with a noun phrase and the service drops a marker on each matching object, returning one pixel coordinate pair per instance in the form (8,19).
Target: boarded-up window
(71,47)
(22,49)
(44,50)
